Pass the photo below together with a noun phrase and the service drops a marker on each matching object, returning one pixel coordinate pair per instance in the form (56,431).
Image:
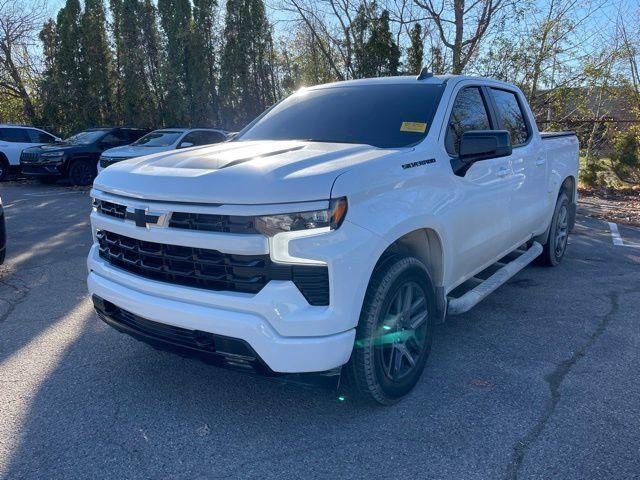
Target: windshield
(86,138)
(161,138)
(385,116)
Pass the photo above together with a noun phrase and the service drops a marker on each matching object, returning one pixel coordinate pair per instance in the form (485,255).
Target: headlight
(332,218)
(53,154)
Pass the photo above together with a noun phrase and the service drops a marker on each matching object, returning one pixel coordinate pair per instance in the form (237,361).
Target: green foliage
(175,19)
(202,68)
(247,84)
(137,64)
(376,53)
(625,161)
(67,72)
(415,53)
(95,66)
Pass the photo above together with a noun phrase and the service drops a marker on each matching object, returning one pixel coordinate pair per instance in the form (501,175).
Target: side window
(469,113)
(188,138)
(118,137)
(36,136)
(15,135)
(207,137)
(511,116)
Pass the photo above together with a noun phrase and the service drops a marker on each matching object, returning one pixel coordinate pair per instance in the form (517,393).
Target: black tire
(81,172)
(4,168)
(389,356)
(556,246)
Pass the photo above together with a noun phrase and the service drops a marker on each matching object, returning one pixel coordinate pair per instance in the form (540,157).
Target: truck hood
(129,151)
(260,172)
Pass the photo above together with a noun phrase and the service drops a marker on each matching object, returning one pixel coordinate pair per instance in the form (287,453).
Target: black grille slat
(110,209)
(212,223)
(209,269)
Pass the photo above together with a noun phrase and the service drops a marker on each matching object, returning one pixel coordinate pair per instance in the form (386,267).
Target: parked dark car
(3,234)
(75,158)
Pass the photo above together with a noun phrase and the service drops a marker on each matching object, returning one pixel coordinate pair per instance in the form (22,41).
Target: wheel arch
(426,245)
(569,187)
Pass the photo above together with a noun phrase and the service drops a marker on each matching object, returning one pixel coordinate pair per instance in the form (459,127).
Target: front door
(480,226)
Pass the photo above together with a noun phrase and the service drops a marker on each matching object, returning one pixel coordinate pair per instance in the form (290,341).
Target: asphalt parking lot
(539,381)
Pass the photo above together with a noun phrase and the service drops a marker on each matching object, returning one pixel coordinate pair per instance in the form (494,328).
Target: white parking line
(53,193)
(617,239)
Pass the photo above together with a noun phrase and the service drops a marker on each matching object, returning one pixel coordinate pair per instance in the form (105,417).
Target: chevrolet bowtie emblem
(142,217)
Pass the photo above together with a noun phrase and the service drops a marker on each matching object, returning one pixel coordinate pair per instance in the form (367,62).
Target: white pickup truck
(335,230)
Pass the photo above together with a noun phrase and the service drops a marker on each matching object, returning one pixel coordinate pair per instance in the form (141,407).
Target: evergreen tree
(203,67)
(415,53)
(246,82)
(95,66)
(376,53)
(153,54)
(67,72)
(175,19)
(138,104)
(49,88)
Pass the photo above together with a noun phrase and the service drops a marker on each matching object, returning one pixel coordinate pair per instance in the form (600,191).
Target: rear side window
(203,137)
(36,136)
(469,113)
(511,116)
(14,135)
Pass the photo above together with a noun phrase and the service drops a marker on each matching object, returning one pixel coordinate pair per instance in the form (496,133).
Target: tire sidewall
(386,283)
(553,258)
(73,174)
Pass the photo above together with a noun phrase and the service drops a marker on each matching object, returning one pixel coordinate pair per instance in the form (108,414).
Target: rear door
(480,226)
(12,141)
(528,200)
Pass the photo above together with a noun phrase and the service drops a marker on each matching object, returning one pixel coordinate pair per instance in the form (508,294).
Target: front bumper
(279,353)
(42,169)
(287,333)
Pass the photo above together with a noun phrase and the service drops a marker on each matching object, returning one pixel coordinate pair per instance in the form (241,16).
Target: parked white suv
(335,230)
(14,139)
(161,141)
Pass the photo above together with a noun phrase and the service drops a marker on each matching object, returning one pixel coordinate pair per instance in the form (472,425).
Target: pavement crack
(554,380)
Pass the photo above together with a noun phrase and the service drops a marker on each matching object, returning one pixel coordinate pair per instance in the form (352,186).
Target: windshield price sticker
(416,127)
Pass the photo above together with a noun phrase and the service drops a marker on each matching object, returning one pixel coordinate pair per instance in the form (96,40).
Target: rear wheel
(4,168)
(556,245)
(82,172)
(395,331)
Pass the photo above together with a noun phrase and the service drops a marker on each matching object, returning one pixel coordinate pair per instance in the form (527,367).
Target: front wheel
(82,172)
(395,331)
(556,245)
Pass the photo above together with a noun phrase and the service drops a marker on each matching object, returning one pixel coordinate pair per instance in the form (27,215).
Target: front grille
(29,157)
(212,223)
(210,269)
(110,209)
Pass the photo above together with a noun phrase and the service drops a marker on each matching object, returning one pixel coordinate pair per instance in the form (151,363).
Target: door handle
(540,162)
(503,172)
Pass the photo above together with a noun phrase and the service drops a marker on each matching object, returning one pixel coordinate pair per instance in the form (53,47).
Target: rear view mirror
(185,145)
(483,144)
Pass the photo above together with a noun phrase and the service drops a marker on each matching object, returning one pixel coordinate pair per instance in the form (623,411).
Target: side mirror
(185,145)
(483,144)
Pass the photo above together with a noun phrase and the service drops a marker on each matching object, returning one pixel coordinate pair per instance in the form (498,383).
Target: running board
(466,302)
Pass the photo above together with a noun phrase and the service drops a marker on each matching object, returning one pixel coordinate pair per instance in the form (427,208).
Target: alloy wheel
(562,231)
(403,331)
